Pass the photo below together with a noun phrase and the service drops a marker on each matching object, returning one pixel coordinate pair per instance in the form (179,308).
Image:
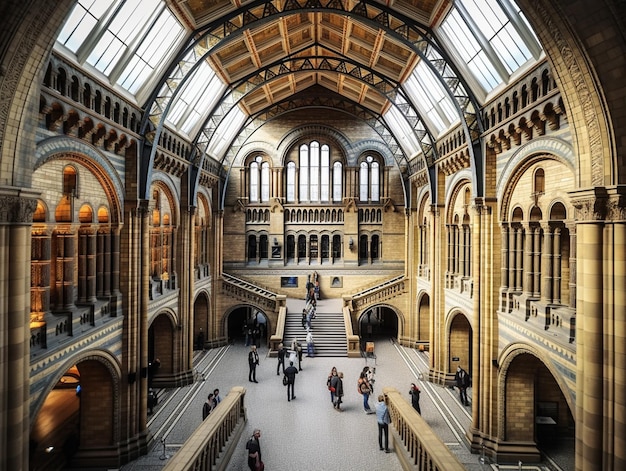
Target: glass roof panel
(402,132)
(81,21)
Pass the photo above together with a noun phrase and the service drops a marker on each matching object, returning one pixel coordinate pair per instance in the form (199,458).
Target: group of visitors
(211,403)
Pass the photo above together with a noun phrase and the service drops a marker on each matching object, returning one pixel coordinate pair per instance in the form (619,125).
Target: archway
(200,321)
(77,415)
(532,392)
(378,323)
(460,344)
(247,325)
(161,359)
(423,320)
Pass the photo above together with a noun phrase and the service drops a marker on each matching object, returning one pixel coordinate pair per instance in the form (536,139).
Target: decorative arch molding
(370,145)
(525,157)
(572,69)
(452,313)
(69,148)
(104,357)
(252,147)
(223,321)
(453,190)
(167,312)
(505,360)
(171,191)
(396,310)
(313,131)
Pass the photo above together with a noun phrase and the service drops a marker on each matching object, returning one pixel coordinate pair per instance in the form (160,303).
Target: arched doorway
(378,323)
(77,415)
(161,359)
(247,325)
(460,344)
(423,320)
(200,321)
(532,392)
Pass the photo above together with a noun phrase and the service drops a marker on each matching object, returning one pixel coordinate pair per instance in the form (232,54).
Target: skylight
(125,40)
(492,39)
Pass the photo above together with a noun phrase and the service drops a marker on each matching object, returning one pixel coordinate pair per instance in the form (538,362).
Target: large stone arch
(584,76)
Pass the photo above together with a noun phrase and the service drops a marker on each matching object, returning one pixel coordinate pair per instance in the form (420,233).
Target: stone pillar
(512,239)
(572,266)
(64,276)
(504,268)
(556,267)
(86,265)
(519,253)
(40,269)
(16,214)
(528,262)
(546,266)
(536,234)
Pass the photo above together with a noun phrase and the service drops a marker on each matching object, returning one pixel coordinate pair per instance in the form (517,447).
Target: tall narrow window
(70,181)
(314,170)
(254,182)
(363,182)
(337,181)
(265,182)
(304,173)
(375,182)
(263,247)
(291,182)
(540,181)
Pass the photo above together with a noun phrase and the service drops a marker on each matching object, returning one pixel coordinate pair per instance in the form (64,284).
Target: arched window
(369,180)
(540,181)
(291,182)
(251,248)
(314,174)
(337,181)
(259,181)
(70,181)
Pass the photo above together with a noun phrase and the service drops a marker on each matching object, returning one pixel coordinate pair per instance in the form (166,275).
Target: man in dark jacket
(291,372)
(282,352)
(253,361)
(462,382)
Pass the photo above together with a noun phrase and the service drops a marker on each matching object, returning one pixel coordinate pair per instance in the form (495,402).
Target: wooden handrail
(423,449)
(211,445)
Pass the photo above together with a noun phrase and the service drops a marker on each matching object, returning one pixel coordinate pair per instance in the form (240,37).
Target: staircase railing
(416,445)
(246,291)
(381,292)
(212,444)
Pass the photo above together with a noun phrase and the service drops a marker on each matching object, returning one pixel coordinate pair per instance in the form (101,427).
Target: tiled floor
(307,433)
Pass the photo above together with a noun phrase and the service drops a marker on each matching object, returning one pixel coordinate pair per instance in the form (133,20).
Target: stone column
(528,261)
(16,214)
(536,234)
(546,266)
(86,265)
(556,267)
(519,253)
(504,268)
(64,276)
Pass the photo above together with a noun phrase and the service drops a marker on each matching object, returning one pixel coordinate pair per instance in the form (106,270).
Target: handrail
(422,449)
(216,438)
(277,338)
(354,349)
(385,290)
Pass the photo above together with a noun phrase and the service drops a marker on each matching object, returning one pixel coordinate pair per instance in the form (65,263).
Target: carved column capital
(16,209)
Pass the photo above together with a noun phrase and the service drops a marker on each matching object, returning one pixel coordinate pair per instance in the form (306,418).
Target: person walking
(304,318)
(310,346)
(297,347)
(462,382)
(291,372)
(383,419)
(253,446)
(338,391)
(253,361)
(415,397)
(282,352)
(208,406)
(216,396)
(329,382)
(365,391)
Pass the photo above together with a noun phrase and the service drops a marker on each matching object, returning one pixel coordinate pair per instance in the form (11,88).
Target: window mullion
(134,45)
(484,43)
(521,27)
(102,26)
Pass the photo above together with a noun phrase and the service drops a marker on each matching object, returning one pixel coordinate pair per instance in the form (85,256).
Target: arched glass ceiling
(128,41)
(131,41)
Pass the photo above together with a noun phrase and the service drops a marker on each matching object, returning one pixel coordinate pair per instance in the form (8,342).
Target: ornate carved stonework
(585,95)
(16,209)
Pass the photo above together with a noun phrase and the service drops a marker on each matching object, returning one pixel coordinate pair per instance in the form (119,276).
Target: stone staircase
(329,330)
